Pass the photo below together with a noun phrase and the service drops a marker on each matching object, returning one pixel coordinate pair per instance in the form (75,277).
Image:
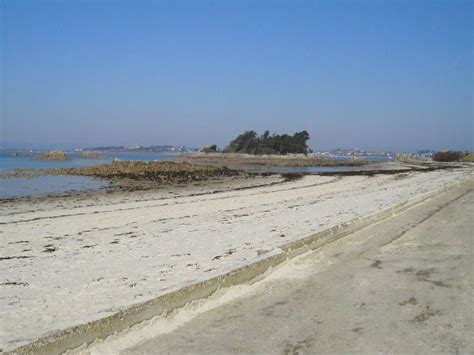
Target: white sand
(109,252)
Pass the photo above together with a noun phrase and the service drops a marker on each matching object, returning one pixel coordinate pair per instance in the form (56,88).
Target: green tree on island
(250,143)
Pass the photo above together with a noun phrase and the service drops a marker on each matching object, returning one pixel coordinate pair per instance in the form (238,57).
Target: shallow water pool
(50,184)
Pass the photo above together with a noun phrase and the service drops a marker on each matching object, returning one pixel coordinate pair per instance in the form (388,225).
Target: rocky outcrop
(53,155)
(243,161)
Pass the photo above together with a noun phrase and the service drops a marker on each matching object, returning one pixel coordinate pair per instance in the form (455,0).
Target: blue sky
(393,75)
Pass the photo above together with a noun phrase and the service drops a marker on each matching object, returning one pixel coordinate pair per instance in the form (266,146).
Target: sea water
(57,184)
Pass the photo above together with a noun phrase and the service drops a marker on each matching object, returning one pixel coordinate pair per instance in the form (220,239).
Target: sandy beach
(403,285)
(68,261)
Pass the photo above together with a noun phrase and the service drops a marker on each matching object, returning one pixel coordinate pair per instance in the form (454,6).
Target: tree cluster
(209,149)
(250,143)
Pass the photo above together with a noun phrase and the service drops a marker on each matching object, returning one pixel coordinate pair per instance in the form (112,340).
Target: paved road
(404,285)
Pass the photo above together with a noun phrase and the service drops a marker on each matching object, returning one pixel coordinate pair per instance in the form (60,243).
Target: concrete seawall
(86,333)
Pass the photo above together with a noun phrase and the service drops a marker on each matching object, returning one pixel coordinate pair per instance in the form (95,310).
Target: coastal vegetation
(451,156)
(273,144)
(209,149)
(469,157)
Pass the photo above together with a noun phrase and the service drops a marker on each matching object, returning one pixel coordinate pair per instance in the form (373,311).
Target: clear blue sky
(393,75)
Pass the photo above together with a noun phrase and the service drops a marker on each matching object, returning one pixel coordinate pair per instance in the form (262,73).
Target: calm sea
(10,161)
(45,185)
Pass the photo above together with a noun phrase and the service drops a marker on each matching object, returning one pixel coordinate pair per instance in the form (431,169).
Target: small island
(249,150)
(91,154)
(57,155)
